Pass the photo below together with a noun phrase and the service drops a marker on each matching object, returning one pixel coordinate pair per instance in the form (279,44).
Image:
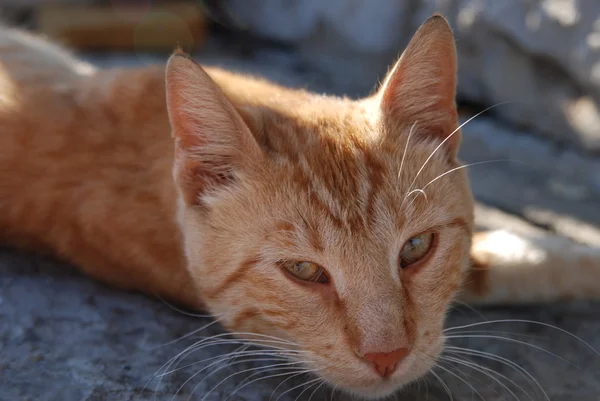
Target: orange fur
(253,174)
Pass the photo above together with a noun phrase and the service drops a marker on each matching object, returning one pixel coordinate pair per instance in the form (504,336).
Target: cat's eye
(416,249)
(306,271)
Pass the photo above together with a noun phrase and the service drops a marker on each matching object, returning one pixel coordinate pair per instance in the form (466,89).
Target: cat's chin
(377,392)
(381,388)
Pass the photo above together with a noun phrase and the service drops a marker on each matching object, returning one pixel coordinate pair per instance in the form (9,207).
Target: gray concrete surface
(66,338)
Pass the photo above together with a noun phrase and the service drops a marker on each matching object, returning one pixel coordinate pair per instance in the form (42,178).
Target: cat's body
(95,150)
(87,167)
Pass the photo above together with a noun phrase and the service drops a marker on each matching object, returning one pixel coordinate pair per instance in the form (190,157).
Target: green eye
(416,249)
(306,271)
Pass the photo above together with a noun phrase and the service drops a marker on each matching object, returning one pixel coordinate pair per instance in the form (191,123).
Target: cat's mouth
(367,383)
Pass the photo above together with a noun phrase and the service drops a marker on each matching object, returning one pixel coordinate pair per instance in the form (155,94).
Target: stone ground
(67,338)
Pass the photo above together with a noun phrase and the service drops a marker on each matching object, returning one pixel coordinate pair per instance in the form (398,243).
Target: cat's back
(79,148)
(30,60)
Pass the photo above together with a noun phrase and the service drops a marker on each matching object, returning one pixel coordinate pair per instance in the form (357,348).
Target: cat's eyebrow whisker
(422,190)
(466,326)
(464,166)
(406,148)
(491,374)
(450,136)
(419,191)
(496,358)
(444,385)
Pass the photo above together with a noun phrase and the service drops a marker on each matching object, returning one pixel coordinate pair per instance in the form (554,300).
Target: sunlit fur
(254,174)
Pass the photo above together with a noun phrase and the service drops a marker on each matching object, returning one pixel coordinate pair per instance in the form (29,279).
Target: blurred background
(536,61)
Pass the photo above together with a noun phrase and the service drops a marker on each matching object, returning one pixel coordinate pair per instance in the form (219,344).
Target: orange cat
(319,220)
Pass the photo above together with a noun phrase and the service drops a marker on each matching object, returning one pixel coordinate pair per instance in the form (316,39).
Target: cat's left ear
(213,144)
(421,88)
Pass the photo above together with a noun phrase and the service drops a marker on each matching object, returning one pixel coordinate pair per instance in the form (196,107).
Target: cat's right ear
(213,145)
(421,88)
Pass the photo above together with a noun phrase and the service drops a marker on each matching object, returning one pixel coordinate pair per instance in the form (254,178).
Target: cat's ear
(421,87)
(213,145)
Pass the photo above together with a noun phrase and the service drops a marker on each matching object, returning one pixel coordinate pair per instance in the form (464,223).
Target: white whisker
(291,377)
(277,365)
(213,341)
(277,354)
(250,334)
(422,190)
(293,374)
(464,166)
(417,191)
(333,391)
(443,385)
(490,373)
(406,148)
(295,387)
(308,387)
(514,341)
(466,305)
(466,326)
(497,332)
(450,136)
(183,337)
(469,376)
(167,365)
(497,358)
(462,380)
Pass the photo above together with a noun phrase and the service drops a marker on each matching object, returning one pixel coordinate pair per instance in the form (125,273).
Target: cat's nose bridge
(377,322)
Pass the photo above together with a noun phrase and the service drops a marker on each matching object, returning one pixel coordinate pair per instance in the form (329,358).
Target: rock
(526,175)
(543,56)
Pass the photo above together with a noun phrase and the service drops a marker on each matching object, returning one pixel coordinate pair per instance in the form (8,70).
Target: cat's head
(335,224)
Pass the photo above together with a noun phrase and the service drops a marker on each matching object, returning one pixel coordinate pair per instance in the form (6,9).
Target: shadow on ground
(67,338)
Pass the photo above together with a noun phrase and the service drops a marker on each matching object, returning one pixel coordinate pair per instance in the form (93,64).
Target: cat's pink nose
(385,362)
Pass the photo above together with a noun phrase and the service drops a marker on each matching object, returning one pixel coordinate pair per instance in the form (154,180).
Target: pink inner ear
(212,141)
(421,88)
